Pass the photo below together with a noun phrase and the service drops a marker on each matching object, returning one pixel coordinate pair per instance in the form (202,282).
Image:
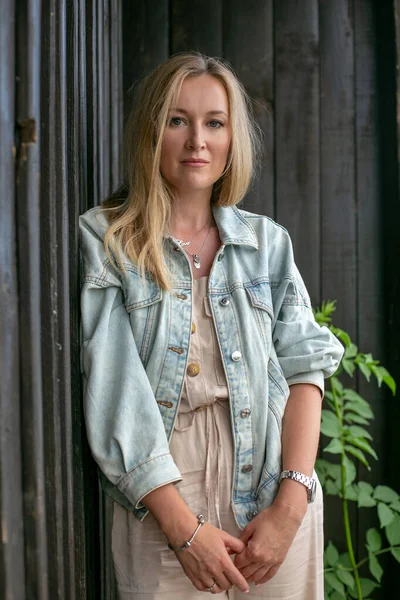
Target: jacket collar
(233,227)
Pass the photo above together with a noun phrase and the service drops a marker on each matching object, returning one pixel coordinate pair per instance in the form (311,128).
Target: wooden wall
(324,76)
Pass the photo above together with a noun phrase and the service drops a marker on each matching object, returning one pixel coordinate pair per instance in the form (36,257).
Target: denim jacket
(135,345)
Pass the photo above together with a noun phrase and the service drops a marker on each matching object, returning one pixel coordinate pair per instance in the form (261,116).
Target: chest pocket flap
(139,292)
(260,296)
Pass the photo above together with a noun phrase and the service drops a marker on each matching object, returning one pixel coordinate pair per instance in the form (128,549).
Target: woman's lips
(189,163)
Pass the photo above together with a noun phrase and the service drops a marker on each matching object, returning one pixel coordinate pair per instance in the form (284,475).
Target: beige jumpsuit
(202,448)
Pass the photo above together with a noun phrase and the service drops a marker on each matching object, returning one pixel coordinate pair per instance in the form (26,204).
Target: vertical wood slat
(248,44)
(370,294)
(29,259)
(12,567)
(145,42)
(196,26)
(297,132)
(338,175)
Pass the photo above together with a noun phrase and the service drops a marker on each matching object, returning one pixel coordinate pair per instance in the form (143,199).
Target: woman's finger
(260,573)
(269,575)
(249,571)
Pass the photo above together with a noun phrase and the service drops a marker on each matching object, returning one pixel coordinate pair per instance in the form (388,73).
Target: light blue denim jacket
(135,345)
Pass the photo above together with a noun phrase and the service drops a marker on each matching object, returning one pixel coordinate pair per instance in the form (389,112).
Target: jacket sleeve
(307,352)
(123,423)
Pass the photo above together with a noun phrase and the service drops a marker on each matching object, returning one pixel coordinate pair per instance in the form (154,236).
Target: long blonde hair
(139,211)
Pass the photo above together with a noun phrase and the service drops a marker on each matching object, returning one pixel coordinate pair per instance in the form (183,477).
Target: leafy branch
(345,422)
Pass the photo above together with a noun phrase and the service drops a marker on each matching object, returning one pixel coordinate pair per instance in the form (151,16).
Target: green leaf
(331,488)
(342,335)
(363,445)
(385,514)
(351,351)
(385,494)
(365,500)
(393,531)
(335,446)
(336,384)
(358,454)
(360,432)
(374,540)
(350,470)
(330,424)
(364,486)
(396,553)
(375,568)
(365,370)
(335,583)
(335,596)
(359,406)
(348,366)
(352,493)
(346,578)
(332,554)
(395,505)
(353,418)
(367,586)
(344,560)
(377,372)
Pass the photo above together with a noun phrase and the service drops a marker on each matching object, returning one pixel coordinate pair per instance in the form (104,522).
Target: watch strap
(308,482)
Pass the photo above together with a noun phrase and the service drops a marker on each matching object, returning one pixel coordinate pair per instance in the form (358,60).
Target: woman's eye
(216,124)
(173,120)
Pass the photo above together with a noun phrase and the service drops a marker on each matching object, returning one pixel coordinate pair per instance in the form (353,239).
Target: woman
(203,365)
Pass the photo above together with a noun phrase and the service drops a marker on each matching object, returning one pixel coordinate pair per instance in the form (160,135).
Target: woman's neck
(190,214)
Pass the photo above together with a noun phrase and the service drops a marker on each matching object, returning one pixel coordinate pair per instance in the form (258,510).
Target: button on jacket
(134,356)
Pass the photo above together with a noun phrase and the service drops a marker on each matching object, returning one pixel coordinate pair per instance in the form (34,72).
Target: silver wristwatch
(309,482)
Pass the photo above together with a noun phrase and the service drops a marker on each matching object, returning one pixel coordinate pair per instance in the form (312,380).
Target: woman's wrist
(292,499)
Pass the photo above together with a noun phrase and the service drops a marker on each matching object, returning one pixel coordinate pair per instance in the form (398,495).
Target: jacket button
(181,296)
(225,301)
(236,355)
(251,514)
(193,370)
(247,468)
(246,412)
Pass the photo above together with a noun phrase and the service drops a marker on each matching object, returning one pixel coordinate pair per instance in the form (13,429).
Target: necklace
(196,257)
(182,243)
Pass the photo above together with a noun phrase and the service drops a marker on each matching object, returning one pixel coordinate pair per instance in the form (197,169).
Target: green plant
(345,421)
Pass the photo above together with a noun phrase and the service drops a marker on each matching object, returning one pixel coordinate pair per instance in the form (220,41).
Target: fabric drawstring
(212,417)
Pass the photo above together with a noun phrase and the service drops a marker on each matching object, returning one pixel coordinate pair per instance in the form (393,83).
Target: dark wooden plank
(27,209)
(12,576)
(338,200)
(248,44)
(370,300)
(196,26)
(145,41)
(297,173)
(388,34)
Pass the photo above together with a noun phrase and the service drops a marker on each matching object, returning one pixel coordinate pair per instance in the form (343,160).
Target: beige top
(199,441)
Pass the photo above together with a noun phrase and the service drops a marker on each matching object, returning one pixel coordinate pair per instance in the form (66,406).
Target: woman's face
(198,128)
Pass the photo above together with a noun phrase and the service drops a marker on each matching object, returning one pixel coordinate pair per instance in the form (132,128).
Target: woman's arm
(269,536)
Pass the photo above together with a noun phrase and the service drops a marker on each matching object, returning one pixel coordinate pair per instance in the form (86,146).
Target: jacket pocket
(141,300)
(261,301)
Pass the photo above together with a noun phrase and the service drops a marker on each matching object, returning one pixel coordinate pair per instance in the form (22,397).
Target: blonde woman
(203,366)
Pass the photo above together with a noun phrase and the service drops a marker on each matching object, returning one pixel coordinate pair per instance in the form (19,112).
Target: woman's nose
(196,139)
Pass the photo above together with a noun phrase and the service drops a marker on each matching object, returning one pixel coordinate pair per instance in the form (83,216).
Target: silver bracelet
(201,521)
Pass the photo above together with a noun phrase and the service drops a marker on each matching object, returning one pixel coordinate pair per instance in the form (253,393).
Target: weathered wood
(29,260)
(196,26)
(145,41)
(338,249)
(297,133)
(11,509)
(248,44)
(370,292)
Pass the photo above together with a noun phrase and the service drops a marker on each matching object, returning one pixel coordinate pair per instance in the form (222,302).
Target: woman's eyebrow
(210,112)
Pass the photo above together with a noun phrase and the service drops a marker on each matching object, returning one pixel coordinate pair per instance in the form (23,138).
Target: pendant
(182,243)
(196,261)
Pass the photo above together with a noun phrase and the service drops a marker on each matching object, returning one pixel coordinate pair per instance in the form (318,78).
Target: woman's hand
(207,560)
(268,538)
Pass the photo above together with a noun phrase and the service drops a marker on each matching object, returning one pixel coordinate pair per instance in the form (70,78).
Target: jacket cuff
(314,377)
(147,476)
